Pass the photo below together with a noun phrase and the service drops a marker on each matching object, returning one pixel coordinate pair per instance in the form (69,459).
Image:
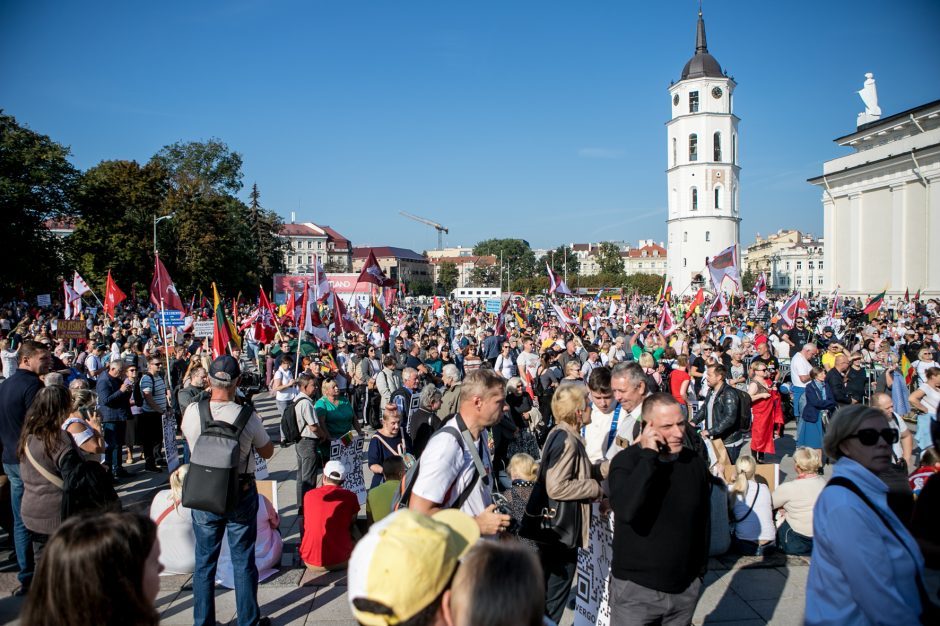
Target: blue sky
(541,120)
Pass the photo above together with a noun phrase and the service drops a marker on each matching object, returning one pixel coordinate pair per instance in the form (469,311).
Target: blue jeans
(242,527)
(114,434)
(796,394)
(22,540)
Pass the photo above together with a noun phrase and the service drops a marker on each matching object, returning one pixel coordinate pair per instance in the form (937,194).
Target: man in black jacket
(721,411)
(659,493)
(836,379)
(114,404)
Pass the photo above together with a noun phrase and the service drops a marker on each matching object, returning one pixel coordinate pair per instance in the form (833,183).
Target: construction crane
(440,229)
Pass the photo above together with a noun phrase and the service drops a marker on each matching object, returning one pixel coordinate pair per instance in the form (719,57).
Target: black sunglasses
(869,436)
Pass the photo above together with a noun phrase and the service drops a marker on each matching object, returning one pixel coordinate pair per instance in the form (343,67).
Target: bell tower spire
(700,44)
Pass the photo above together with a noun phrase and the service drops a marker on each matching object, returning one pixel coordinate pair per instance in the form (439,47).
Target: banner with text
(348,451)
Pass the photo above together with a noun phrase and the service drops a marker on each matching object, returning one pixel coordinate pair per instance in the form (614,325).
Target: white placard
(203,329)
(592,581)
(261,466)
(351,457)
(44,299)
(169,442)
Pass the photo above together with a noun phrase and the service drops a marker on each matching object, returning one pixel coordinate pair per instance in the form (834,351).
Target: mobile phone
(662,447)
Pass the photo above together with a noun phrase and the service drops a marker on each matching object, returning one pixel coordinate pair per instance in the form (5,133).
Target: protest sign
(169,442)
(348,451)
(44,299)
(261,466)
(592,581)
(203,329)
(70,329)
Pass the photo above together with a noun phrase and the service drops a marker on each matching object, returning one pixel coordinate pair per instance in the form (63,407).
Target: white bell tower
(702,170)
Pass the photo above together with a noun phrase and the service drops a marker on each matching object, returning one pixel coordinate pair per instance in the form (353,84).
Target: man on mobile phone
(659,493)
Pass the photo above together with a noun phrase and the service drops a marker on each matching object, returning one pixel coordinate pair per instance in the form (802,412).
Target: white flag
(79,285)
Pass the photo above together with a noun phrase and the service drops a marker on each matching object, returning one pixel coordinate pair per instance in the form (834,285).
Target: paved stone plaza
(739,591)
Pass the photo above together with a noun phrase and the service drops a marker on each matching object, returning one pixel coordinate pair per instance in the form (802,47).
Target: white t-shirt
(92,365)
(898,424)
(254,435)
(175,532)
(10,360)
(288,393)
(447,468)
(625,427)
(597,433)
(758,525)
(799,366)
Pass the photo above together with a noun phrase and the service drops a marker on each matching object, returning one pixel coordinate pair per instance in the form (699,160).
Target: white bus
(477,293)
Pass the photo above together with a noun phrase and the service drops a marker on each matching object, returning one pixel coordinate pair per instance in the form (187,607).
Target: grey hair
(429,395)
(451,372)
(511,384)
(408,373)
(630,370)
(54,378)
(222,384)
(843,425)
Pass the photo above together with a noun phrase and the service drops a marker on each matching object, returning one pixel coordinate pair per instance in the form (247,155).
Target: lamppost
(810,255)
(157,220)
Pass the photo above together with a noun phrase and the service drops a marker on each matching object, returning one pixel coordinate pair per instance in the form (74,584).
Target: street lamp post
(157,220)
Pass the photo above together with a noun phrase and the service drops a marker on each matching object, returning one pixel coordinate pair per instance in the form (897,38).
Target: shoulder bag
(546,520)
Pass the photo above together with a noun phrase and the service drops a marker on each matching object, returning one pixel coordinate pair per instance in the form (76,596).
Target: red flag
(268,328)
(290,312)
(112,296)
(907,293)
(667,323)
(372,273)
(343,322)
(162,288)
(697,301)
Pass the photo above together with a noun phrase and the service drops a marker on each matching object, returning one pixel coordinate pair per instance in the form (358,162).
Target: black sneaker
(20,591)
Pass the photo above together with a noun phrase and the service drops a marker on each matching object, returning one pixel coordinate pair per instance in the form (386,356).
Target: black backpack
(289,422)
(212,482)
(744,410)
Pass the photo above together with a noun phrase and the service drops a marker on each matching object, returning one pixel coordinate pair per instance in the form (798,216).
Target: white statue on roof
(869,95)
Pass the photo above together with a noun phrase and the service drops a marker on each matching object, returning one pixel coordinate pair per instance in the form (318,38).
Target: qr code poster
(348,450)
(593,574)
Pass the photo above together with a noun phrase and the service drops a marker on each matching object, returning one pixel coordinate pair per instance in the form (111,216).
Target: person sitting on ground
(174,526)
(497,585)
(796,499)
(379,499)
(268,547)
(401,572)
(329,517)
(751,514)
(102,570)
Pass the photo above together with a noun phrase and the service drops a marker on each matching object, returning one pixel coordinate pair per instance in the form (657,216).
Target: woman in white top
(174,527)
(796,499)
(925,400)
(924,362)
(84,424)
(751,512)
(268,547)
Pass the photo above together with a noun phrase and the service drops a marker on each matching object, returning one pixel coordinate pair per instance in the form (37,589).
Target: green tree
(609,260)
(556,260)
(748,280)
(447,276)
(117,202)
(36,184)
(202,167)
(268,248)
(484,276)
(516,255)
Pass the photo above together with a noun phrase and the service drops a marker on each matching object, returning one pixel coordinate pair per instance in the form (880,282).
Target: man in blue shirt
(16,396)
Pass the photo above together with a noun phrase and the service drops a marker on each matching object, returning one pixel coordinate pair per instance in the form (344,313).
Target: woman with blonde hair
(523,471)
(751,515)
(84,424)
(174,526)
(796,499)
(568,479)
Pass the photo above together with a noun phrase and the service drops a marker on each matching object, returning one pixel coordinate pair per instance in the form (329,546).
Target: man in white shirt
(309,464)
(94,363)
(284,387)
(628,382)
(592,363)
(800,368)
(527,361)
(449,468)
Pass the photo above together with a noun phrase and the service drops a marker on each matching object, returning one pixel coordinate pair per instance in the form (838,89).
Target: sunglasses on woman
(869,436)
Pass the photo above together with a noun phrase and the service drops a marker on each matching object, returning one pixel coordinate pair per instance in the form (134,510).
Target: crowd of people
(518,429)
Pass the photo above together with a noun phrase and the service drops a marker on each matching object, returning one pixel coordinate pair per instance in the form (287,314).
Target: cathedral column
(897,250)
(856,254)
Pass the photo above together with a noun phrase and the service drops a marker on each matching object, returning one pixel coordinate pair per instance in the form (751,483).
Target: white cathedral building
(702,171)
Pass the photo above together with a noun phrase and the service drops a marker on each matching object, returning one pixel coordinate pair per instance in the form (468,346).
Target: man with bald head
(836,379)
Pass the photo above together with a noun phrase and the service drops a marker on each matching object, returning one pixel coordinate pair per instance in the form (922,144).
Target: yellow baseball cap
(406,561)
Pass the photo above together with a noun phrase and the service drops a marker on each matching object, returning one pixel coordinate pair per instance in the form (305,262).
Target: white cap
(334,470)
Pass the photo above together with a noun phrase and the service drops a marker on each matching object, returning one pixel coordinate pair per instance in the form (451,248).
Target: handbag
(86,486)
(546,520)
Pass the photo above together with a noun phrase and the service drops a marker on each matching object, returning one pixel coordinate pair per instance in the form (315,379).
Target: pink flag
(667,322)
(556,284)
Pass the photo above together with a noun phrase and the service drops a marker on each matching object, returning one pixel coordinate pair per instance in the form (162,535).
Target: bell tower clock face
(716,92)
(675,100)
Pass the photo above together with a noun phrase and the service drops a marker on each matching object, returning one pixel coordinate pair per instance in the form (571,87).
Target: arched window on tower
(693,102)
(674,153)
(734,149)
(693,147)
(716,138)
(694,198)
(734,199)
(718,197)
